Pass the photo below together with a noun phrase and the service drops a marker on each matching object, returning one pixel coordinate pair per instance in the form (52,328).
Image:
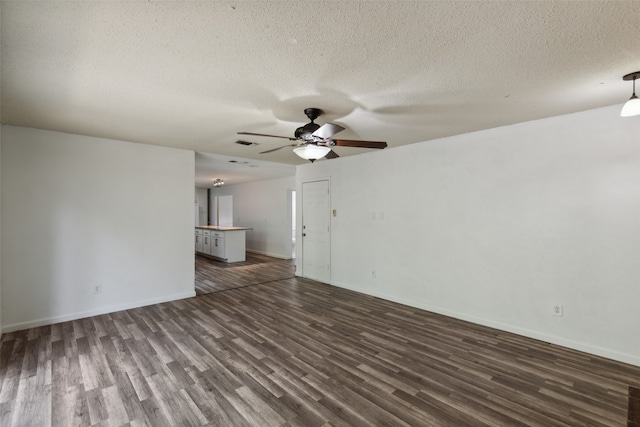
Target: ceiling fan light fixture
(632,106)
(312,141)
(311,151)
(217,182)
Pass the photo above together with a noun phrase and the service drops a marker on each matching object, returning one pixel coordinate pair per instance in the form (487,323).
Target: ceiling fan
(312,141)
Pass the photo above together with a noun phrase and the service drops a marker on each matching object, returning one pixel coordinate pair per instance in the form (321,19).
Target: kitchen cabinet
(224,243)
(217,245)
(199,241)
(206,241)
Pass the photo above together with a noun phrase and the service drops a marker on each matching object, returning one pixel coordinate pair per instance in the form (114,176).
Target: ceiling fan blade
(331,155)
(326,130)
(278,148)
(263,134)
(360,144)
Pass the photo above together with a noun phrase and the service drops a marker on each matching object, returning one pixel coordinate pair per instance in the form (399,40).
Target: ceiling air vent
(241,142)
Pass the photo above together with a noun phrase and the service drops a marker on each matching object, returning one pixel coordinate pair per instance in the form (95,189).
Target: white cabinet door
(217,247)
(206,244)
(198,242)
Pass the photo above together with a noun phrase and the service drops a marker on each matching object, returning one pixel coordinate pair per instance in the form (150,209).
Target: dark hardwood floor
(295,352)
(634,407)
(213,275)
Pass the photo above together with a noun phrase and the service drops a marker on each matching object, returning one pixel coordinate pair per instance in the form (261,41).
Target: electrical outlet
(558,310)
(97,289)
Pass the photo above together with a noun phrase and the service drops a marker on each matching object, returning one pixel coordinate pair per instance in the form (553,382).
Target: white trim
(253,251)
(81,315)
(598,351)
(290,219)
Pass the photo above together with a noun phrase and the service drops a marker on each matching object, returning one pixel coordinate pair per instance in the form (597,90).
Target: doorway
(292,209)
(213,275)
(316,234)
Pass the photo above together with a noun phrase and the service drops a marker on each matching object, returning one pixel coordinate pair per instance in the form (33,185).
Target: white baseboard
(103,310)
(272,255)
(587,348)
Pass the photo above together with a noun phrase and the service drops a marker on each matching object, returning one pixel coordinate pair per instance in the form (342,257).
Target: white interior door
(222,211)
(225,211)
(316,255)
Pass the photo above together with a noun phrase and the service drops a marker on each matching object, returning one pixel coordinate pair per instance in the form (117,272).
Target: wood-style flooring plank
(213,275)
(634,407)
(283,351)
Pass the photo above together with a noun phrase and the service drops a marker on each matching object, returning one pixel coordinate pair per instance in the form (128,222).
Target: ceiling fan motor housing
(304,132)
(312,113)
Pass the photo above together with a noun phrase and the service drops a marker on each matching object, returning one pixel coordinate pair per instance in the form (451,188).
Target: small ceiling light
(311,152)
(217,182)
(632,107)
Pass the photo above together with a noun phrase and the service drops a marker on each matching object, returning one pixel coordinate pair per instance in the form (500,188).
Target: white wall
(0,230)
(498,226)
(263,206)
(0,182)
(79,212)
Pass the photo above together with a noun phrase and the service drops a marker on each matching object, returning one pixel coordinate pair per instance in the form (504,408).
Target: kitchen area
(215,234)
(229,256)
(225,243)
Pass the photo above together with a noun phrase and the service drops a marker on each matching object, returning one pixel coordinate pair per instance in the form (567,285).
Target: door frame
(291,220)
(300,225)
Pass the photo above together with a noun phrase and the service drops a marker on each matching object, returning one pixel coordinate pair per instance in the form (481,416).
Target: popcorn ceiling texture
(191,74)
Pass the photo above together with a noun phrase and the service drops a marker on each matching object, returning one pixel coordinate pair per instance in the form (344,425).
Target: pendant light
(632,107)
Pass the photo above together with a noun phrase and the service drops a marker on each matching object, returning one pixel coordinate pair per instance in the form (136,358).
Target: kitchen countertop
(217,228)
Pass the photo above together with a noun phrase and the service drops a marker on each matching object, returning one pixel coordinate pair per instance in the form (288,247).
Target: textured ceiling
(192,74)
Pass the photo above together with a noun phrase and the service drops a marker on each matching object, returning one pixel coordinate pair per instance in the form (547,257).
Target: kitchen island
(224,243)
